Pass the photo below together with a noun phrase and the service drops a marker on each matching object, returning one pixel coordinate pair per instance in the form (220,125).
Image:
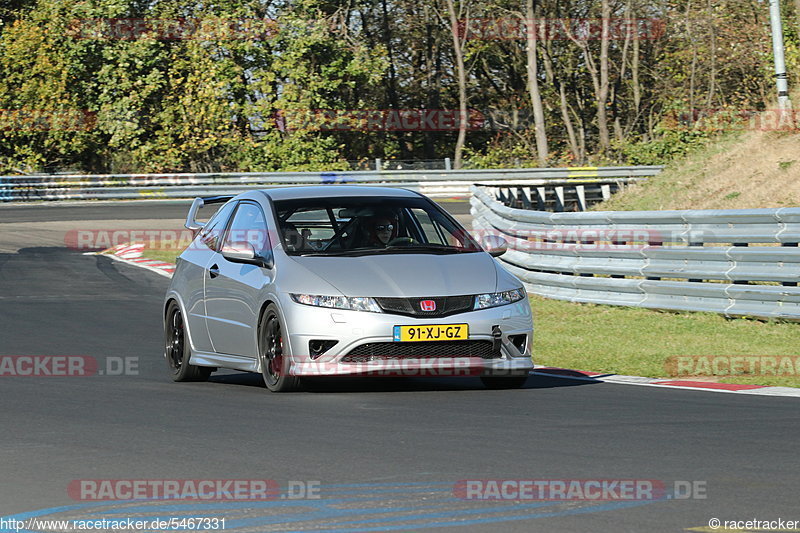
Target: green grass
(670,187)
(167,256)
(638,342)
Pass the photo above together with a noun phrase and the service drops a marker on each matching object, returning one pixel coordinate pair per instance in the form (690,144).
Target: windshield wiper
(399,249)
(434,248)
(328,254)
(341,253)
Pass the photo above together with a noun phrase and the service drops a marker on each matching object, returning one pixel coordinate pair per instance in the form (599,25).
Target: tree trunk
(563,104)
(712,75)
(693,70)
(637,89)
(533,85)
(618,87)
(391,81)
(461,76)
(602,95)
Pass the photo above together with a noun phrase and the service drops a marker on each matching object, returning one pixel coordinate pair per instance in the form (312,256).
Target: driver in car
(382,230)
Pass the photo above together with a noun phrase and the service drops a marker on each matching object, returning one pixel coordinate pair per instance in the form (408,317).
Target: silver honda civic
(299,282)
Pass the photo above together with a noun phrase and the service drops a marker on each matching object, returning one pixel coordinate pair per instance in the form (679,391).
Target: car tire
(504,382)
(176,348)
(273,362)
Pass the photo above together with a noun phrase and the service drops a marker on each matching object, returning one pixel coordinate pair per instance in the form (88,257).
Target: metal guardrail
(735,262)
(574,194)
(430,182)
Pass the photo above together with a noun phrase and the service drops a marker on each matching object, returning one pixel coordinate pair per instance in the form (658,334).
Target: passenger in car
(295,240)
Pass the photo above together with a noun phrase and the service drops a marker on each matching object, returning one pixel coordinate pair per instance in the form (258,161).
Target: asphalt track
(386,453)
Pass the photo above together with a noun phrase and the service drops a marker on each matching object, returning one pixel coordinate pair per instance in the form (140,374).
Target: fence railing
(735,262)
(430,182)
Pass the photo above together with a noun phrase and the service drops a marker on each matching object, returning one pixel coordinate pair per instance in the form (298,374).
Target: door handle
(213,272)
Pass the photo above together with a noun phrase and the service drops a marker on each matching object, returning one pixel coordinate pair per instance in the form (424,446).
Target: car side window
(211,234)
(249,225)
(307,229)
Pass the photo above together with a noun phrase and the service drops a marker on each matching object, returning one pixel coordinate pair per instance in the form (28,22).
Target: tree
(532,28)
(459,45)
(48,93)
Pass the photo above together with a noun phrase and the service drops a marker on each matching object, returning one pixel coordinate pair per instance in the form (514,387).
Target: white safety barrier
(598,181)
(736,262)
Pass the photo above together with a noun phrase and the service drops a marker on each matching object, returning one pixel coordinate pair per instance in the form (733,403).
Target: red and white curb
(132,254)
(708,386)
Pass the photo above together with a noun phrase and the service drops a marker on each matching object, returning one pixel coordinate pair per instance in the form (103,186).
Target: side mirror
(245,252)
(495,245)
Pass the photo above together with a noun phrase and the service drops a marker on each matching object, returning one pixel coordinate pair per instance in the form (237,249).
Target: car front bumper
(500,326)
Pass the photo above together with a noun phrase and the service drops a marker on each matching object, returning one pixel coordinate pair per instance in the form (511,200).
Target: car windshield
(369,225)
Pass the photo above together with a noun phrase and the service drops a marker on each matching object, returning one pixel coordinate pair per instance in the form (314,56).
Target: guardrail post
(605,190)
(501,196)
(541,198)
(581,192)
(559,199)
(512,196)
(525,194)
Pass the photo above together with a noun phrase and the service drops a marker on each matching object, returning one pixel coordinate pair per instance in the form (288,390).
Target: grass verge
(638,342)
(740,170)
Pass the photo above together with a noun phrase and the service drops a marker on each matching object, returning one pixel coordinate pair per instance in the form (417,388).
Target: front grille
(445,306)
(386,351)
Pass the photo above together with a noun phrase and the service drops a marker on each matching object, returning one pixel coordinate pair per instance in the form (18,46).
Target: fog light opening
(317,347)
(519,341)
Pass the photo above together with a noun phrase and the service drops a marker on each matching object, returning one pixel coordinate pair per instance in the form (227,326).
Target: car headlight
(494,299)
(353,303)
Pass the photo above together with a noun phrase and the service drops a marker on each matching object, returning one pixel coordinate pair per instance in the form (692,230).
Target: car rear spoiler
(191,222)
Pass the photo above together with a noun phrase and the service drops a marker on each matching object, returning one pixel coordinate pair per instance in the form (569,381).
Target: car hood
(405,275)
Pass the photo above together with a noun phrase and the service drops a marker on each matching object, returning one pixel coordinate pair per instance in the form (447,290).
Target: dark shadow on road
(396,384)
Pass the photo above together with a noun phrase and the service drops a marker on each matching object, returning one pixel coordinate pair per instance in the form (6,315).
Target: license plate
(438,332)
